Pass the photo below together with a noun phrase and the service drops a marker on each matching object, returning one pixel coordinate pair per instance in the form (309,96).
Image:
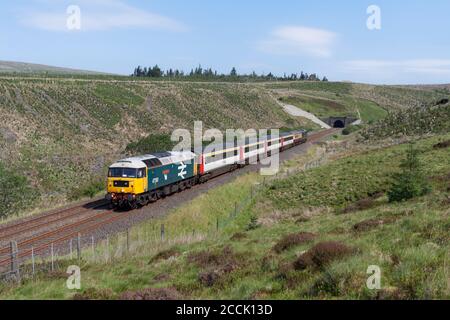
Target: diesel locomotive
(137,181)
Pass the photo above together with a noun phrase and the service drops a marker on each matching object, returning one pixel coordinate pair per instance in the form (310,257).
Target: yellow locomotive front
(126,181)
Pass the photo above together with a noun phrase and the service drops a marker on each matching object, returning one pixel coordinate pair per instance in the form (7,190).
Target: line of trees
(209,74)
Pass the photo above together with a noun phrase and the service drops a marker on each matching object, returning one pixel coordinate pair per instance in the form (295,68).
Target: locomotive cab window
(122,173)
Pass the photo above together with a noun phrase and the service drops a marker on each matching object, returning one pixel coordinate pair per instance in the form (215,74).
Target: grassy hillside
(421,120)
(369,102)
(62,132)
(323,108)
(388,97)
(310,235)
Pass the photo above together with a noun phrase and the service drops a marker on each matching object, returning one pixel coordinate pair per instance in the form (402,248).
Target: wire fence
(27,263)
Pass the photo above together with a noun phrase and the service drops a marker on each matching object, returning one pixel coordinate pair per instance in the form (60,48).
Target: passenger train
(137,181)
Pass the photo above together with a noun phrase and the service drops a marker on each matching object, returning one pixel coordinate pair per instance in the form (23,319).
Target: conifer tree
(411,181)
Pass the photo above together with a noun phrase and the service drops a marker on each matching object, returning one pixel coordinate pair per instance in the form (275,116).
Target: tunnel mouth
(338,124)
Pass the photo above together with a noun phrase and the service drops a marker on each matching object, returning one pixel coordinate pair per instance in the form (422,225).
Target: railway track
(41,242)
(87,220)
(319,135)
(12,231)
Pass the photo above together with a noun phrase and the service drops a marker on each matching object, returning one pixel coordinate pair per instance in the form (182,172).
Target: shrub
(164,255)
(15,192)
(89,190)
(363,204)
(152,294)
(322,254)
(293,240)
(93,189)
(351,129)
(417,120)
(411,181)
(367,224)
(213,259)
(253,224)
(215,264)
(94,294)
(152,143)
(442,145)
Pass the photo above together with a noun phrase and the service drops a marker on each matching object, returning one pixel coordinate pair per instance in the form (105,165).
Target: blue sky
(327,37)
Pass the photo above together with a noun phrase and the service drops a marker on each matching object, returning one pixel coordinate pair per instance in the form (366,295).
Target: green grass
(370,112)
(336,88)
(319,107)
(411,247)
(117,94)
(354,177)
(342,105)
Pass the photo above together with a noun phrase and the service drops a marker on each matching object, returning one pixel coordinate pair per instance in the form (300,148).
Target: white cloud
(389,67)
(298,40)
(98,15)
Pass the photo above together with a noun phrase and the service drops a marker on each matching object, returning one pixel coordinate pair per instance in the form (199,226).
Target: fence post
(235,208)
(53,259)
(79,248)
(14,259)
(93,247)
(107,248)
(32,260)
(128,239)
(71,249)
(162,232)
